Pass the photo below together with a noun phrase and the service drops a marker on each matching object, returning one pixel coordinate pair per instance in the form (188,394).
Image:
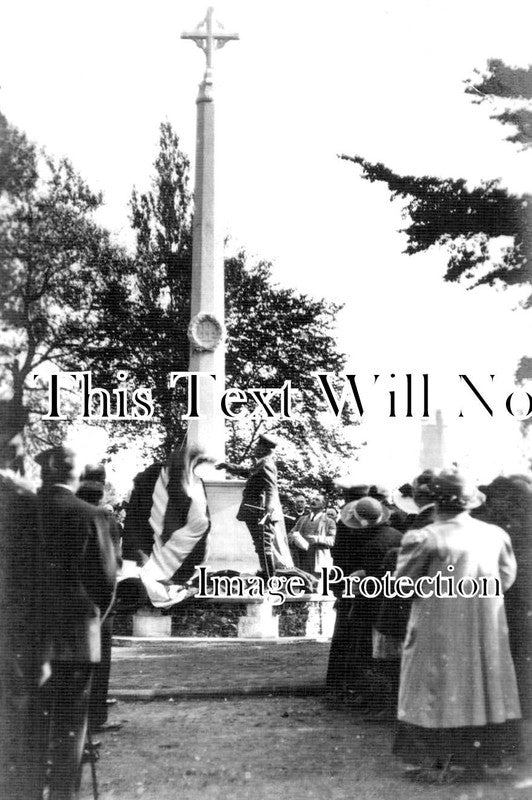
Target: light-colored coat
(322,530)
(457,669)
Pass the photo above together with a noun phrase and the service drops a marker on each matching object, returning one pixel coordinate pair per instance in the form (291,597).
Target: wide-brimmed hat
(351,489)
(403,499)
(512,487)
(379,492)
(452,488)
(363,513)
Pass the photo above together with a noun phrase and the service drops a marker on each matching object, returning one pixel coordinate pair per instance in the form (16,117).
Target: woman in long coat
(363,539)
(458,692)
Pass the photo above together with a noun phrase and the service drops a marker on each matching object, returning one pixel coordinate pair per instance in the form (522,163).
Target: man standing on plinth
(261,508)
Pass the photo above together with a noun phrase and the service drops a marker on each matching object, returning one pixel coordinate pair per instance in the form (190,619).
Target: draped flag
(167,527)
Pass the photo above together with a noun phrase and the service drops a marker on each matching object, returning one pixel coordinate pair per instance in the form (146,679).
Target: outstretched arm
(234,469)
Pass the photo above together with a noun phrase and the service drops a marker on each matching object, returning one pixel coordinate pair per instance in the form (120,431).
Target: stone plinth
(231,546)
(151,623)
(259,622)
(321,619)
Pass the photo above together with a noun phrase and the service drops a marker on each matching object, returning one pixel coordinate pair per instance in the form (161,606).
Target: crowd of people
(58,561)
(453,671)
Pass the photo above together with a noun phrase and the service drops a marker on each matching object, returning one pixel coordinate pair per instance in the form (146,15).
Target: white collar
(64,486)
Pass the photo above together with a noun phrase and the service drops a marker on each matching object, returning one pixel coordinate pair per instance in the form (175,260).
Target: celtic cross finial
(209,39)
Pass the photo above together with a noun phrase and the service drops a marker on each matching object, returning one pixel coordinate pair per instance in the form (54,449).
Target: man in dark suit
(261,507)
(92,490)
(81,565)
(300,509)
(24,646)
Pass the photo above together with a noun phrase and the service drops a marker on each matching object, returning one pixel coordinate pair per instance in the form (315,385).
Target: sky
(307,81)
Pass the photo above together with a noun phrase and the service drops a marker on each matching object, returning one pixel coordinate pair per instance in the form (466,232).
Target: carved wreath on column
(205,332)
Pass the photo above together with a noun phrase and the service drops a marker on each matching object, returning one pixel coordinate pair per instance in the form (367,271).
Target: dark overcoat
(81,563)
(261,491)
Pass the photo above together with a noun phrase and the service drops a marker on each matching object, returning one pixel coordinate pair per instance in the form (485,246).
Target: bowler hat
(56,461)
(94,472)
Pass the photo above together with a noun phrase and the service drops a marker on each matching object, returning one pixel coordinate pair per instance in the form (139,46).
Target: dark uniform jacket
(81,564)
(261,491)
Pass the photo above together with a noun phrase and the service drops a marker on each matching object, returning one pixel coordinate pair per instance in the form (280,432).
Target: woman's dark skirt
(470,747)
(350,655)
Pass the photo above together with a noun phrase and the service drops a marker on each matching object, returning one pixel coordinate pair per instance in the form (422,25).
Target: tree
(274,334)
(58,267)
(72,298)
(470,221)
(467,221)
(146,320)
(510,83)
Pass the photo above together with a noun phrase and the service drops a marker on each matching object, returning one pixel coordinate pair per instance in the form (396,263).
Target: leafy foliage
(57,266)
(274,334)
(147,317)
(18,161)
(72,298)
(511,83)
(469,221)
(448,212)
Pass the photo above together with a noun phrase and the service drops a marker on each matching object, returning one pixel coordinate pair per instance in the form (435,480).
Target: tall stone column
(230,545)
(206,331)
(432,454)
